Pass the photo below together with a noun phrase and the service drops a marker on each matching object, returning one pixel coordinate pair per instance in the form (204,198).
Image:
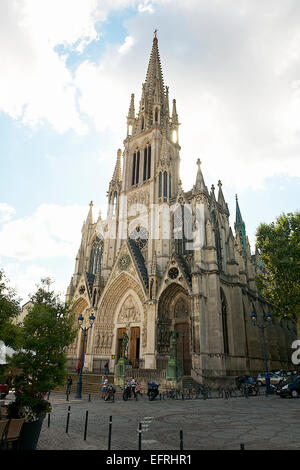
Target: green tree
(9,311)
(46,331)
(279,281)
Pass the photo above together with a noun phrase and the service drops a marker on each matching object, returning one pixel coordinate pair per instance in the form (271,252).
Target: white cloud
(126,46)
(232,66)
(6,212)
(51,231)
(25,278)
(35,84)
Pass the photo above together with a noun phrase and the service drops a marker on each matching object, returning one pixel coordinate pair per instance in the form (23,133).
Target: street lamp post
(85,329)
(267,322)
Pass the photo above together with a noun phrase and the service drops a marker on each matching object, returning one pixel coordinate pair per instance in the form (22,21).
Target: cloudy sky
(68,68)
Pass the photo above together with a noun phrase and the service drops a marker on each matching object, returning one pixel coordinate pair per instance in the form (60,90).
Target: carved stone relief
(129,312)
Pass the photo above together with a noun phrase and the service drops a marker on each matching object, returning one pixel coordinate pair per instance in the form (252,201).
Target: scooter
(152,390)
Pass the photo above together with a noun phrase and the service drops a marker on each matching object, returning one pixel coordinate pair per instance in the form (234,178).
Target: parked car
(274,379)
(3,390)
(290,390)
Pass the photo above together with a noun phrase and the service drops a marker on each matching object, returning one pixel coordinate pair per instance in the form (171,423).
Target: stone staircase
(91,384)
(188,382)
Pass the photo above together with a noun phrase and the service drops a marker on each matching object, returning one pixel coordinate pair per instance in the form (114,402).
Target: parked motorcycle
(152,390)
(246,385)
(110,393)
(128,392)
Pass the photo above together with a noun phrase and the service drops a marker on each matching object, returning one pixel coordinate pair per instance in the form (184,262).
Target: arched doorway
(129,321)
(174,314)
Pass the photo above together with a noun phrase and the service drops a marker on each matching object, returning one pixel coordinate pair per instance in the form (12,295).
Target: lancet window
(217,239)
(224,322)
(135,167)
(147,163)
(164,185)
(96,256)
(182,229)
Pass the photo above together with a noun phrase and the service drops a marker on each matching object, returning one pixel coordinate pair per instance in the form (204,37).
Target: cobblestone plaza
(259,423)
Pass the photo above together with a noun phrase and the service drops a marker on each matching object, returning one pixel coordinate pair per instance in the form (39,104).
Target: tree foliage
(9,311)
(46,331)
(279,248)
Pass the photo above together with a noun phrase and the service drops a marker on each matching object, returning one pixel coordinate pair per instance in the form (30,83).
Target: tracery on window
(96,256)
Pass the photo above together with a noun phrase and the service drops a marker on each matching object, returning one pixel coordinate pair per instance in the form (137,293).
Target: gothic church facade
(165,259)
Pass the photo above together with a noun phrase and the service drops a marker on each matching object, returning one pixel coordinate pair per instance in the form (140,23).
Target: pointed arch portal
(174,314)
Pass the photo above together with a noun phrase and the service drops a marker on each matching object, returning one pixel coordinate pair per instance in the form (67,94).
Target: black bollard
(109,433)
(242,447)
(140,436)
(48,420)
(89,397)
(85,426)
(181,440)
(68,419)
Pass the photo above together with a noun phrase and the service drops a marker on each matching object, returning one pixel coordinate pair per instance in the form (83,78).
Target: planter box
(30,434)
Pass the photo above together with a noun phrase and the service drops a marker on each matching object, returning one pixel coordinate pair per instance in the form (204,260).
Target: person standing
(104,383)
(133,384)
(69,384)
(106,369)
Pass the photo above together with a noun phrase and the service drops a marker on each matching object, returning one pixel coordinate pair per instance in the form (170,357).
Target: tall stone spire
(154,76)
(153,107)
(240,226)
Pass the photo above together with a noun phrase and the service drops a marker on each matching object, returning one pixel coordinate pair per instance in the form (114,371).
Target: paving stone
(259,423)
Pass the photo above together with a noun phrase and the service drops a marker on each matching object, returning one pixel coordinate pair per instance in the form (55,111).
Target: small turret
(199,184)
(221,199)
(131,116)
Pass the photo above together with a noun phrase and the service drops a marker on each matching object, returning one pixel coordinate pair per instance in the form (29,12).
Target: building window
(114,208)
(224,322)
(159,184)
(170,191)
(149,162)
(96,256)
(217,239)
(137,168)
(145,163)
(182,229)
(133,168)
(156,115)
(165,184)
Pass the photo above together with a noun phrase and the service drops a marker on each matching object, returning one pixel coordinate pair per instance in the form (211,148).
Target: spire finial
(155,32)
(91,204)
